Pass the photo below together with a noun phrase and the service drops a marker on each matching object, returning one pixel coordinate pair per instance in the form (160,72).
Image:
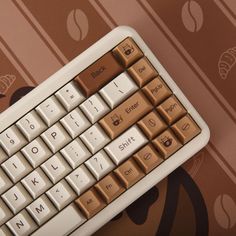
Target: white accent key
(31,125)
(75,122)
(16,167)
(70,96)
(12,140)
(56,167)
(36,152)
(75,153)
(94,107)
(95,138)
(100,164)
(5,182)
(61,194)
(118,89)
(126,144)
(56,137)
(51,110)
(80,179)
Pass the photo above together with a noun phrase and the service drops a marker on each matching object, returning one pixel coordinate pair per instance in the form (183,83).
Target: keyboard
(93,138)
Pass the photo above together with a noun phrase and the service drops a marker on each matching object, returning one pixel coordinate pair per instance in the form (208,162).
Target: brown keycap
(129,173)
(167,143)
(90,203)
(126,114)
(186,129)
(109,187)
(171,109)
(127,52)
(142,71)
(148,158)
(157,91)
(99,73)
(152,124)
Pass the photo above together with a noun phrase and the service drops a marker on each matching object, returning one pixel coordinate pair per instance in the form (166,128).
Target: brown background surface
(195,40)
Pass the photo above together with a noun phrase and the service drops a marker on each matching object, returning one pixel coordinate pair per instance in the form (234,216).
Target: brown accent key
(127,52)
(90,203)
(142,71)
(167,143)
(109,187)
(126,114)
(186,129)
(152,124)
(171,109)
(157,91)
(129,173)
(99,73)
(148,158)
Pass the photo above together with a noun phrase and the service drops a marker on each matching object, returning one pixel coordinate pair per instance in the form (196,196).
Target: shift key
(126,114)
(98,74)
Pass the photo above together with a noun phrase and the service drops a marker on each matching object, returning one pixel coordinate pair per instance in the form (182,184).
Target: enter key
(126,114)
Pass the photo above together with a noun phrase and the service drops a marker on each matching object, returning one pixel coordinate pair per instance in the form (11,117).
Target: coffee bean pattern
(77,24)
(192,16)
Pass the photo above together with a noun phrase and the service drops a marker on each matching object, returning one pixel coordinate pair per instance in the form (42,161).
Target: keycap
(41,210)
(75,153)
(110,188)
(148,158)
(142,71)
(152,124)
(90,203)
(12,140)
(31,125)
(94,108)
(100,164)
(61,194)
(126,114)
(129,173)
(126,144)
(16,198)
(157,91)
(127,52)
(99,73)
(5,213)
(56,137)
(5,182)
(80,179)
(4,231)
(118,89)
(36,183)
(75,122)
(36,152)
(71,218)
(70,96)
(185,129)
(56,168)
(167,143)
(16,167)
(95,138)
(3,156)
(22,224)
(51,110)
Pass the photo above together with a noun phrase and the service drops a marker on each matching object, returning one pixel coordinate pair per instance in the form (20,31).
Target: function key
(99,73)
(186,129)
(171,109)
(127,52)
(142,71)
(157,91)
(167,143)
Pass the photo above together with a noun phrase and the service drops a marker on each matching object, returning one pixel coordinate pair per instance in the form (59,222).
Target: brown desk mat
(196,42)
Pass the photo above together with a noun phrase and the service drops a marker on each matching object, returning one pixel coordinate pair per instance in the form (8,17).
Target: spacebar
(63,223)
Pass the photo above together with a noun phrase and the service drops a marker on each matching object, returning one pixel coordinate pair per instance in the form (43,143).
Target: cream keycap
(118,89)
(5,182)
(3,155)
(5,213)
(5,231)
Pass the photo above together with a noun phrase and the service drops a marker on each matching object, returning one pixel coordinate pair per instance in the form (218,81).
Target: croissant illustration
(6,82)
(226,62)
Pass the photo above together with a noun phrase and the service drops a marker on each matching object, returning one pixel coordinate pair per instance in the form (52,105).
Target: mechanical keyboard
(93,138)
